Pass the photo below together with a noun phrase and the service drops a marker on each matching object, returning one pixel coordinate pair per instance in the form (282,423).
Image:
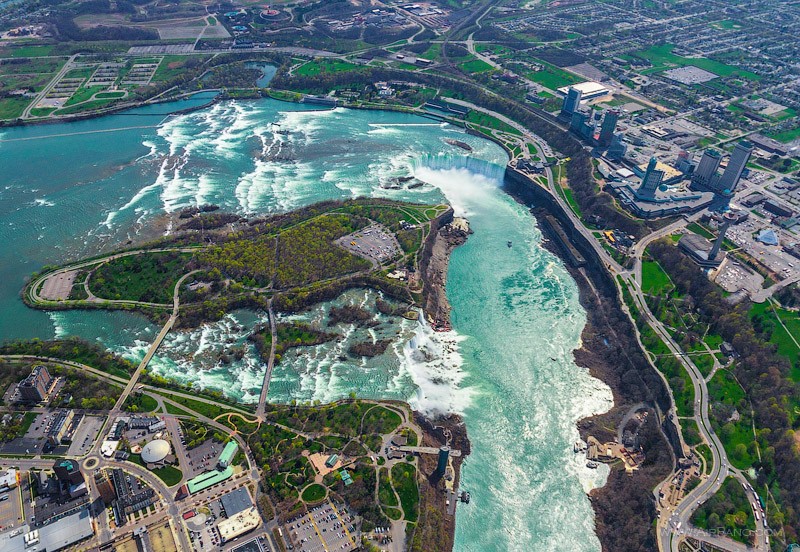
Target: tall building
(577,121)
(707,169)
(105,487)
(68,470)
(617,149)
(441,463)
(34,388)
(736,166)
(729,219)
(608,126)
(651,179)
(684,163)
(572,101)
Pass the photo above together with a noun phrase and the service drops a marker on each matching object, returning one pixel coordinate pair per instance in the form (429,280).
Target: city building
(105,487)
(441,462)
(68,471)
(331,461)
(236,501)
(239,524)
(156,451)
(702,251)
(36,386)
(706,170)
(8,479)
(769,145)
(618,148)
(57,535)
(572,101)
(587,91)
(608,127)
(736,165)
(651,180)
(684,163)
(61,428)
(227,454)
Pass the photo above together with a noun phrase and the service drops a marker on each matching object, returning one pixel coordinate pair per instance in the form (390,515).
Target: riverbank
(436,528)
(624,507)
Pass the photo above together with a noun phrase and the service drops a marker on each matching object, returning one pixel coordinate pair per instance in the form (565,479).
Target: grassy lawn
(26,51)
(662,58)
(551,76)
(654,280)
(476,66)
(109,95)
(140,403)
(169,475)
(700,231)
(172,409)
(737,436)
(786,135)
(314,493)
(42,111)
(705,452)
(202,408)
(83,94)
(404,480)
(483,119)
(11,108)
(569,196)
(780,337)
(324,66)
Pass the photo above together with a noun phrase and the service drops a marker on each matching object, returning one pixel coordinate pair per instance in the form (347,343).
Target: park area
(662,58)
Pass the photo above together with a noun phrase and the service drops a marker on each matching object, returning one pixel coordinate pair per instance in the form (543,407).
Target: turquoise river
(73,190)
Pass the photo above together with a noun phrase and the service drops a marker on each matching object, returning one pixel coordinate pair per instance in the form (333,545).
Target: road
(26,113)
(262,400)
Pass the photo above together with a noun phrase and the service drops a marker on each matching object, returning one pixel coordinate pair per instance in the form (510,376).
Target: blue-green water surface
(71,190)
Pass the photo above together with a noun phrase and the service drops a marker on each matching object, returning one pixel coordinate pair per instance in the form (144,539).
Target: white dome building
(155,451)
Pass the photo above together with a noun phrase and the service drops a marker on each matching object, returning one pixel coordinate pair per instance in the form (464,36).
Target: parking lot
(202,458)
(10,509)
(203,531)
(373,242)
(85,435)
(34,439)
(326,528)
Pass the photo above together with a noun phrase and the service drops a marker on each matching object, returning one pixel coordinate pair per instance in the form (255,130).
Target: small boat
(464,496)
(592,464)
(509,243)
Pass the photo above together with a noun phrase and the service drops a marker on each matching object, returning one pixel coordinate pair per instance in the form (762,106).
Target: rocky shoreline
(449,233)
(436,528)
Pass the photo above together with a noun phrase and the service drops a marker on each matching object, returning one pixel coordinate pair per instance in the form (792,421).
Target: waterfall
(449,161)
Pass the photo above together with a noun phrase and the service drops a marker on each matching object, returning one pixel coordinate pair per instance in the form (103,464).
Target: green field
(26,51)
(314,493)
(405,483)
(727,24)
(654,280)
(780,337)
(736,435)
(786,135)
(662,58)
(476,66)
(324,66)
(551,76)
(485,120)
(169,475)
(11,108)
(109,95)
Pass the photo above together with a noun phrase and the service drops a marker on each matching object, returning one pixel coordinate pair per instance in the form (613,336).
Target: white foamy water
(507,365)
